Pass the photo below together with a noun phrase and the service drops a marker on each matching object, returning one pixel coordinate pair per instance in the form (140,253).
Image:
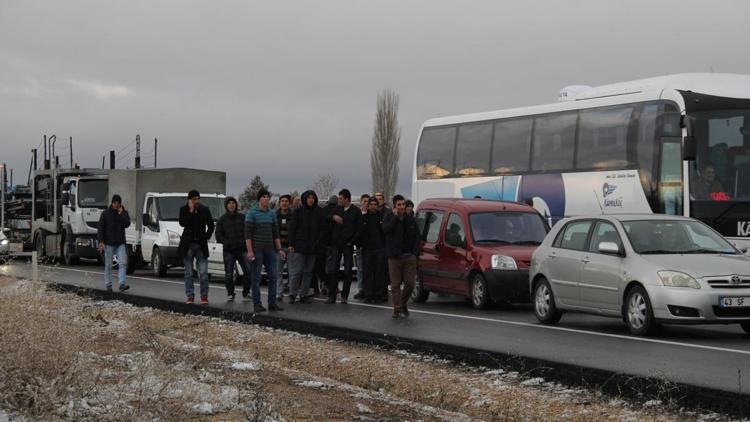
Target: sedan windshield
(516,228)
(169,207)
(675,237)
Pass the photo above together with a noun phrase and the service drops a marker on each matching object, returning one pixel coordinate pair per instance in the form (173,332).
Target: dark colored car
(479,249)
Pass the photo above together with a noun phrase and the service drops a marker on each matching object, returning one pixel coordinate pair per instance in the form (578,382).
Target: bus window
(435,156)
(554,142)
(647,146)
(473,150)
(512,145)
(602,138)
(670,179)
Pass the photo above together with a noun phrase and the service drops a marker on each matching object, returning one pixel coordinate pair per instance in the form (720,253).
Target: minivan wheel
(157,263)
(639,315)
(745,326)
(130,267)
(545,309)
(480,295)
(419,294)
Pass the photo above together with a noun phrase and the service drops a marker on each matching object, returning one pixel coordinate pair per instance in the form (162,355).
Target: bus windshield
(93,193)
(169,206)
(721,171)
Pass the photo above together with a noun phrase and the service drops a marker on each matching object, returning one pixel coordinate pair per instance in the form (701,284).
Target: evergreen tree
(249,196)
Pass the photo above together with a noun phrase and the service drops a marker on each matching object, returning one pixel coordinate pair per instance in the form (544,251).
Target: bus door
(670,185)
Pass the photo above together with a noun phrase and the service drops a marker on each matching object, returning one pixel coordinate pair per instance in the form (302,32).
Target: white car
(647,269)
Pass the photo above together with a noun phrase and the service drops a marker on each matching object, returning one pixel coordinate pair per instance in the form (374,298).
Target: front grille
(725,283)
(93,224)
(731,312)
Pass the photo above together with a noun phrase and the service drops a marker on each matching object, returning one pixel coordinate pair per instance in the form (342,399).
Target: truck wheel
(130,269)
(67,256)
(157,263)
(480,294)
(419,294)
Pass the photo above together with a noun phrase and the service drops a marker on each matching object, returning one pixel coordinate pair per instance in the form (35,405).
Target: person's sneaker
(330,301)
(279,299)
(344,301)
(359,296)
(258,309)
(204,300)
(404,310)
(293,300)
(124,287)
(190,300)
(305,300)
(396,315)
(245,296)
(230,297)
(108,290)
(274,307)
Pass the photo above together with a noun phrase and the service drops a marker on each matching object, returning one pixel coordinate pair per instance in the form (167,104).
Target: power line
(123,148)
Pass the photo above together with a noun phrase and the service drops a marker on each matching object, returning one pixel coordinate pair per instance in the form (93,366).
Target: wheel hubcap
(478,291)
(542,300)
(156,264)
(637,310)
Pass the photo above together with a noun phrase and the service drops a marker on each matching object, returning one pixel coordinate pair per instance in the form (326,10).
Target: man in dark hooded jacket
(346,219)
(305,232)
(230,232)
(198,226)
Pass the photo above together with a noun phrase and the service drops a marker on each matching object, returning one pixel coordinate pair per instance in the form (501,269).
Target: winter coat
(111,228)
(346,233)
(401,235)
(328,225)
(307,226)
(197,227)
(230,230)
(283,221)
(371,236)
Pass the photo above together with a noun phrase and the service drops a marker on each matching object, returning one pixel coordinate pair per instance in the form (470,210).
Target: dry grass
(66,357)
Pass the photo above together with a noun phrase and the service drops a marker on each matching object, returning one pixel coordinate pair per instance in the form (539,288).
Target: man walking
(364,200)
(198,226)
(346,220)
(263,244)
(305,234)
(283,218)
(402,247)
(230,232)
(111,237)
(372,250)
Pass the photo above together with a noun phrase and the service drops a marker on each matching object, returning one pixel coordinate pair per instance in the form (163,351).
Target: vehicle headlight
(502,262)
(678,279)
(4,242)
(173,238)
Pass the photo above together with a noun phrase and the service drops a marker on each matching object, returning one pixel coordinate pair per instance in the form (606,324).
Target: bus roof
(718,84)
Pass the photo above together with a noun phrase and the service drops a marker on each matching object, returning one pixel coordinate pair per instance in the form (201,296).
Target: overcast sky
(287,89)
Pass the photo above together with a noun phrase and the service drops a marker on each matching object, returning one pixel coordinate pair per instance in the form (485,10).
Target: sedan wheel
(545,309)
(479,292)
(745,326)
(639,316)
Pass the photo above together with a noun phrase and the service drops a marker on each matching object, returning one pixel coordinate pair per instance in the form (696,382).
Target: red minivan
(477,248)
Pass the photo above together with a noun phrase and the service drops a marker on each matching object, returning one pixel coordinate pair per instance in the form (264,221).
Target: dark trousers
(374,275)
(320,278)
(333,265)
(238,256)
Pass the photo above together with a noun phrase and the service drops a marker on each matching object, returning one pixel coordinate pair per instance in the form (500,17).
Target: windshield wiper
(527,242)
(493,241)
(659,252)
(696,251)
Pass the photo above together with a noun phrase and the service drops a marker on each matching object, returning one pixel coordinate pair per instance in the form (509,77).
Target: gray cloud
(287,89)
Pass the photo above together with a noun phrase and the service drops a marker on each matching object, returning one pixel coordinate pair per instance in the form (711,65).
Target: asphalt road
(702,356)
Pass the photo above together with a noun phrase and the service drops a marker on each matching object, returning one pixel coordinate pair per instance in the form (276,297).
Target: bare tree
(386,140)
(325,185)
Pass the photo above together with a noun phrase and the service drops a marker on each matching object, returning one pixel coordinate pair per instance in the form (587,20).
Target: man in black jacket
(372,247)
(305,232)
(346,219)
(198,226)
(402,242)
(110,235)
(230,232)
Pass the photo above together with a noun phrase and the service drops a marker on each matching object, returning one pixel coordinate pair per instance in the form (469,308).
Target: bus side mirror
(689,148)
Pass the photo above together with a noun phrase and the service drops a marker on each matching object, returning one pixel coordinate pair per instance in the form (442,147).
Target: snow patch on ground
(245,366)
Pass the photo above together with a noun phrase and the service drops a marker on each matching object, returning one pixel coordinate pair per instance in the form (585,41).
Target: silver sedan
(647,269)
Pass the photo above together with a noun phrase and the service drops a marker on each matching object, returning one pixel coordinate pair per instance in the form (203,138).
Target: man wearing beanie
(263,244)
(110,235)
(198,226)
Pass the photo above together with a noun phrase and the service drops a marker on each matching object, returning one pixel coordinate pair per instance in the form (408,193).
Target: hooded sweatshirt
(230,229)
(307,226)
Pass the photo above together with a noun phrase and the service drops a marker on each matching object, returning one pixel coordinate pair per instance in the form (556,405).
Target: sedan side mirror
(609,248)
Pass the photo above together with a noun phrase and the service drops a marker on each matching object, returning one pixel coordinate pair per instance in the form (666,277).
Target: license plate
(734,302)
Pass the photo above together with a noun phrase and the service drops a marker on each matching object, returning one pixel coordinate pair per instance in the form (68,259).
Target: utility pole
(137,151)
(155,145)
(71,152)
(2,198)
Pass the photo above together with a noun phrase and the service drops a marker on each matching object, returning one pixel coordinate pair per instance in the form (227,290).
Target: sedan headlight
(502,262)
(173,238)
(678,279)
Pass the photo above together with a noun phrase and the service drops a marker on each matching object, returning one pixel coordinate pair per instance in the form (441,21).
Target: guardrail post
(34,267)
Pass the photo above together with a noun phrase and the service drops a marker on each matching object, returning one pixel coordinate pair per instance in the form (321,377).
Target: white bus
(677,144)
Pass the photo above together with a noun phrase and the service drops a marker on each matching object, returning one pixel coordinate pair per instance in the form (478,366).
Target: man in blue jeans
(230,232)
(198,226)
(263,245)
(111,237)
